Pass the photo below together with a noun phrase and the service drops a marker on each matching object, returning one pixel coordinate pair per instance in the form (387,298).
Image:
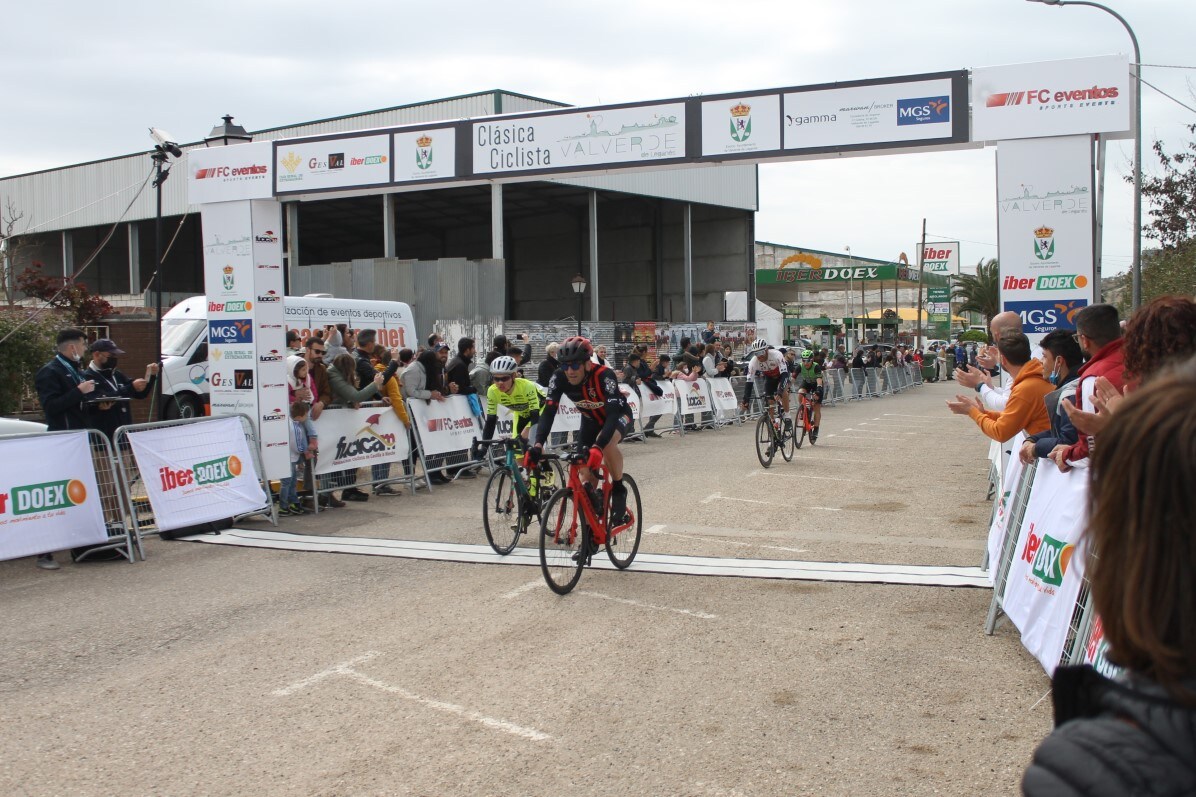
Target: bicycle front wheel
(799,431)
(564,542)
(788,445)
(765,450)
(501,512)
(621,546)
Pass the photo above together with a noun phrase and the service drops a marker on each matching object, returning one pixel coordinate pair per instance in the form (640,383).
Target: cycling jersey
(523,401)
(598,398)
(773,366)
(810,375)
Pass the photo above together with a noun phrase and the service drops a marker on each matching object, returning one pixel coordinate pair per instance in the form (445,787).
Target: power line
(1168,66)
(1168,96)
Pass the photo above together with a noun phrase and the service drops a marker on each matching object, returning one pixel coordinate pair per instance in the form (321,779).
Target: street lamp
(227,133)
(165,148)
(1136,269)
(579,287)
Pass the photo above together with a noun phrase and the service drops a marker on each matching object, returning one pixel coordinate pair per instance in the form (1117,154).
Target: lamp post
(164,149)
(227,133)
(579,287)
(1136,268)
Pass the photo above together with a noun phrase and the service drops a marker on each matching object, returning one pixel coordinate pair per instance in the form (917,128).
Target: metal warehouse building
(654,233)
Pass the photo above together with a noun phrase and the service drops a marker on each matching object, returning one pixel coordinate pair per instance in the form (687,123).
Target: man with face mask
(108,416)
(62,388)
(1061,361)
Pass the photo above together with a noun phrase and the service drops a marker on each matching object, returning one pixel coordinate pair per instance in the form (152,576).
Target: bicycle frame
(511,463)
(807,409)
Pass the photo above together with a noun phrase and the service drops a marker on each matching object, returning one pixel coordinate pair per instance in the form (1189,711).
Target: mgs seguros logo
(923,110)
(233,330)
(1042,317)
(44,497)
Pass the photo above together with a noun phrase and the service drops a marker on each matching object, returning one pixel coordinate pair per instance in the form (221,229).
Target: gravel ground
(212,670)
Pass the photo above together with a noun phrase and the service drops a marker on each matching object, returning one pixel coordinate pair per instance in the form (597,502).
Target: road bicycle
(805,418)
(574,525)
(774,433)
(511,502)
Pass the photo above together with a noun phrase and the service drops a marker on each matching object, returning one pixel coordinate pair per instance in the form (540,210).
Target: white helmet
(503,365)
(758,345)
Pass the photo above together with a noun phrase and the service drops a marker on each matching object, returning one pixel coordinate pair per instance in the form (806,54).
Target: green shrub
(974,335)
(24,353)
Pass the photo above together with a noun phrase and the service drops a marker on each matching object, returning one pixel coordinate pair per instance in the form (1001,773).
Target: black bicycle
(774,432)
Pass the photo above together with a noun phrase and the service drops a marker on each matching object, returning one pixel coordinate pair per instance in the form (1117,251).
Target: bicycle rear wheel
(621,546)
(500,512)
(764,432)
(564,542)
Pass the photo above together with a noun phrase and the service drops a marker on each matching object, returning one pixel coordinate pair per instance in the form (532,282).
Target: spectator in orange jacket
(1026,409)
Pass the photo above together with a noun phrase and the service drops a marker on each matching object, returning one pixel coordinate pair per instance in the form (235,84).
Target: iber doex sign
(211,472)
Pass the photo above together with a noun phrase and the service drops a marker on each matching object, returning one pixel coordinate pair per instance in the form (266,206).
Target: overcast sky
(84,81)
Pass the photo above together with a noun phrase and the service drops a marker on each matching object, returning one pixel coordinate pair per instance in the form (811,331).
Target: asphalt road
(215,670)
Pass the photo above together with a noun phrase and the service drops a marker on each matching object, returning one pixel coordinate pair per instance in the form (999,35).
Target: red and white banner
(664,404)
(445,426)
(351,438)
(49,500)
(722,395)
(1048,565)
(197,473)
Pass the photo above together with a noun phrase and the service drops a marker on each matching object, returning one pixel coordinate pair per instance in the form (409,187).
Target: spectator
(993,397)
(288,494)
(1135,735)
(293,348)
(1025,409)
(108,416)
(502,347)
(433,341)
(548,366)
(1099,335)
(480,377)
(393,391)
(62,388)
(709,335)
(688,370)
(663,368)
(1061,363)
(961,357)
(712,365)
(343,377)
(338,340)
(299,382)
(315,350)
(630,373)
(365,354)
(647,379)
(424,381)
(457,371)
(600,354)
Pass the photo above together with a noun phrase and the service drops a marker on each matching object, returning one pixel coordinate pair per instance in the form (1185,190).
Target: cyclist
(515,393)
(605,417)
(768,363)
(810,374)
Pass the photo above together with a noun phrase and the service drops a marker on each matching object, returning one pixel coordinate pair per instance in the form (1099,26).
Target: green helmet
(806,354)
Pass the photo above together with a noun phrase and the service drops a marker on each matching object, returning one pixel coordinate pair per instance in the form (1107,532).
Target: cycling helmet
(758,345)
(575,350)
(503,365)
(806,354)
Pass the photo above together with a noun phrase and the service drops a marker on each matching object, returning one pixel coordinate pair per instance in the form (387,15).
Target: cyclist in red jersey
(605,417)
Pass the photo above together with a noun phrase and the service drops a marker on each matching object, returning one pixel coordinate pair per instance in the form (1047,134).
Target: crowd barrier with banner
(368,435)
(60,490)
(192,471)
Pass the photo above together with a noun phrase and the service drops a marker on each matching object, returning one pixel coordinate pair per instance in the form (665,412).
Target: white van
(185,338)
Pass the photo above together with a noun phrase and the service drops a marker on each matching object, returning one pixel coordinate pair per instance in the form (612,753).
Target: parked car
(14,426)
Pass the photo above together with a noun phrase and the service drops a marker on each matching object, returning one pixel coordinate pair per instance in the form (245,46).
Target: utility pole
(921,268)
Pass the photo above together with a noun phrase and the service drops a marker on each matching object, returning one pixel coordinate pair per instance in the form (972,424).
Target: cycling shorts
(773,384)
(590,428)
(814,389)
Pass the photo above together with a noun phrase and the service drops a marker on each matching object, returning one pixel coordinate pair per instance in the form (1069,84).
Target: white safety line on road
(659,529)
(528,587)
(923,417)
(925,575)
(716,497)
(345,669)
(629,602)
(800,475)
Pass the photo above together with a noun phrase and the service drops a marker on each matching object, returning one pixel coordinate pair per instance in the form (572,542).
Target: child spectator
(288,494)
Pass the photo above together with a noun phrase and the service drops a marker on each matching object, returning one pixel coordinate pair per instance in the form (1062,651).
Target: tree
(64,293)
(24,353)
(10,247)
(980,292)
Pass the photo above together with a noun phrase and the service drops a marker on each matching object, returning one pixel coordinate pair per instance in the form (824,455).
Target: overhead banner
(741,125)
(664,404)
(425,155)
(878,112)
(1045,230)
(636,134)
(1048,566)
(939,258)
(352,438)
(222,174)
(444,426)
(1051,98)
(197,473)
(49,500)
(349,161)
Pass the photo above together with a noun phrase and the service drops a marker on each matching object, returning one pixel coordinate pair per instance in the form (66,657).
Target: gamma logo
(44,497)
(923,110)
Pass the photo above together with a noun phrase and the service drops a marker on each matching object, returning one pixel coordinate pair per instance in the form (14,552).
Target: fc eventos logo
(1042,317)
(44,497)
(923,110)
(236,330)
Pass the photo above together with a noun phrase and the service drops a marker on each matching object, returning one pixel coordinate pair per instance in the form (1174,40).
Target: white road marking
(716,497)
(528,587)
(346,670)
(924,417)
(659,529)
(629,602)
(791,475)
(825,508)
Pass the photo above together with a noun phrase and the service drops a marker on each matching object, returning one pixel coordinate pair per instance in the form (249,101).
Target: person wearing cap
(108,416)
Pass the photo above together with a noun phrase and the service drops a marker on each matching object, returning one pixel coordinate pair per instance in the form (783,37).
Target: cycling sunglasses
(506,378)
(571,366)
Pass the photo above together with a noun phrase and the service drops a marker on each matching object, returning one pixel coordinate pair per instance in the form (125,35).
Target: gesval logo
(43,497)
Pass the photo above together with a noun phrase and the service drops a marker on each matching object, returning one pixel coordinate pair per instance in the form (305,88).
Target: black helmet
(575,350)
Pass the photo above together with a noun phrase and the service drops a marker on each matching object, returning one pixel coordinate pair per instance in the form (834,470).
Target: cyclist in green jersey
(515,393)
(809,373)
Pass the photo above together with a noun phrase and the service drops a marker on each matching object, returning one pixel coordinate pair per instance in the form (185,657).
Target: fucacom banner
(49,500)
(197,473)
(444,426)
(633,399)
(1048,566)
(722,394)
(693,396)
(664,404)
(351,438)
(996,532)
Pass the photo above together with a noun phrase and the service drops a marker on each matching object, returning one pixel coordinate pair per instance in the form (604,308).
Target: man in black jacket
(644,376)
(107,417)
(363,356)
(62,388)
(548,366)
(457,371)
